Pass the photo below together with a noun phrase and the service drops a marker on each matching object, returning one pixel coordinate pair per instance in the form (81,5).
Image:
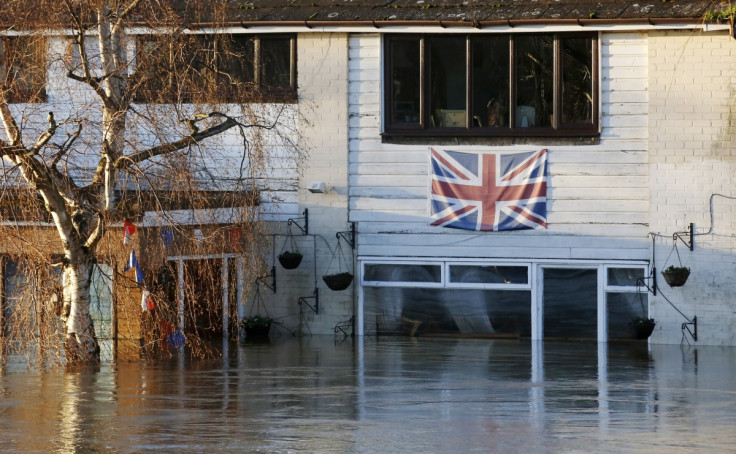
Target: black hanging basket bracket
(642,282)
(690,233)
(694,332)
(305,218)
(348,236)
(262,280)
(315,296)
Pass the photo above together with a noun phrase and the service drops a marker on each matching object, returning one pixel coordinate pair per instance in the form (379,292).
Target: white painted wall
(598,194)
(323,122)
(692,80)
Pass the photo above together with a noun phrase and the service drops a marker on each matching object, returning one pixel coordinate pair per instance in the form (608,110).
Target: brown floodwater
(386,395)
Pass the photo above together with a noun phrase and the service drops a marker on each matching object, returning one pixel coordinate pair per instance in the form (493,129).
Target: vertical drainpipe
(239,292)
(224,279)
(180,291)
(2,310)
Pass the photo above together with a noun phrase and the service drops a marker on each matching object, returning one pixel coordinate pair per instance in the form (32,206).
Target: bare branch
(11,127)
(46,136)
(66,146)
(125,162)
(8,150)
(96,234)
(128,9)
(94,82)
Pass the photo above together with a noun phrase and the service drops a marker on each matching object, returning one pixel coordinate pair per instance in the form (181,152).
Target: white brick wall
(691,124)
(323,106)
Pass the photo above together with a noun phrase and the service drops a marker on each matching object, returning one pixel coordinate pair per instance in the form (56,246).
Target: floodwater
(386,395)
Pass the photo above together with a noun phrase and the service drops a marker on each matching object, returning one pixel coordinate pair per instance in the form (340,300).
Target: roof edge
(650,21)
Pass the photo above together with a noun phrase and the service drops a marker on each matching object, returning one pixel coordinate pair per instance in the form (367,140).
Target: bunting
(132,263)
(147,303)
(167,236)
(128,231)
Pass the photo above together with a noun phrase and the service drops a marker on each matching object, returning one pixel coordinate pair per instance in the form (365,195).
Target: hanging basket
(643,327)
(339,281)
(256,327)
(676,276)
(290,260)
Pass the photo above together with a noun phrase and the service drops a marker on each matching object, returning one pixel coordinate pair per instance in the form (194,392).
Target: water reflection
(383,395)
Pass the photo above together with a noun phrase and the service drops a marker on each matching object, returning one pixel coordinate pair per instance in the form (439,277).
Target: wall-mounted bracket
(262,280)
(315,297)
(304,217)
(690,233)
(685,325)
(694,332)
(348,236)
(642,282)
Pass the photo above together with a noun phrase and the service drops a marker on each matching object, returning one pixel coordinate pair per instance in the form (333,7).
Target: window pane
(236,63)
(403,273)
(447,89)
(405,81)
(534,80)
(577,80)
(100,305)
(490,56)
(276,62)
(624,277)
(26,76)
(570,303)
(489,274)
(423,311)
(621,308)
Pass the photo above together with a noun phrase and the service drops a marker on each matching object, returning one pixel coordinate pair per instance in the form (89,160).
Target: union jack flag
(488,191)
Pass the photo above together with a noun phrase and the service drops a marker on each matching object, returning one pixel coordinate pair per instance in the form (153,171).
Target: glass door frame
(602,288)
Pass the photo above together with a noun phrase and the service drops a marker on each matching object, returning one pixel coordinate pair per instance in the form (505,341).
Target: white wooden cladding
(598,198)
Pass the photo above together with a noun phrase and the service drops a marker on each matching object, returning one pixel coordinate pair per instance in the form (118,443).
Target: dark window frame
(424,128)
(37,92)
(262,92)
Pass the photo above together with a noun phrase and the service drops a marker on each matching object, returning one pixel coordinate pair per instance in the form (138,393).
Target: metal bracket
(305,217)
(303,300)
(262,280)
(642,282)
(694,332)
(348,236)
(345,328)
(689,233)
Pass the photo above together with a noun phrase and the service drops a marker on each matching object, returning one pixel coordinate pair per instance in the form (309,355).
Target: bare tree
(141,116)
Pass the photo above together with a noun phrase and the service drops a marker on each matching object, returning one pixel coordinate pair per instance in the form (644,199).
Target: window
(222,68)
(626,298)
(491,85)
(488,276)
(26,72)
(397,274)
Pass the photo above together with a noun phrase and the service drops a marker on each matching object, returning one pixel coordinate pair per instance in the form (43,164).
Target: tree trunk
(79,336)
